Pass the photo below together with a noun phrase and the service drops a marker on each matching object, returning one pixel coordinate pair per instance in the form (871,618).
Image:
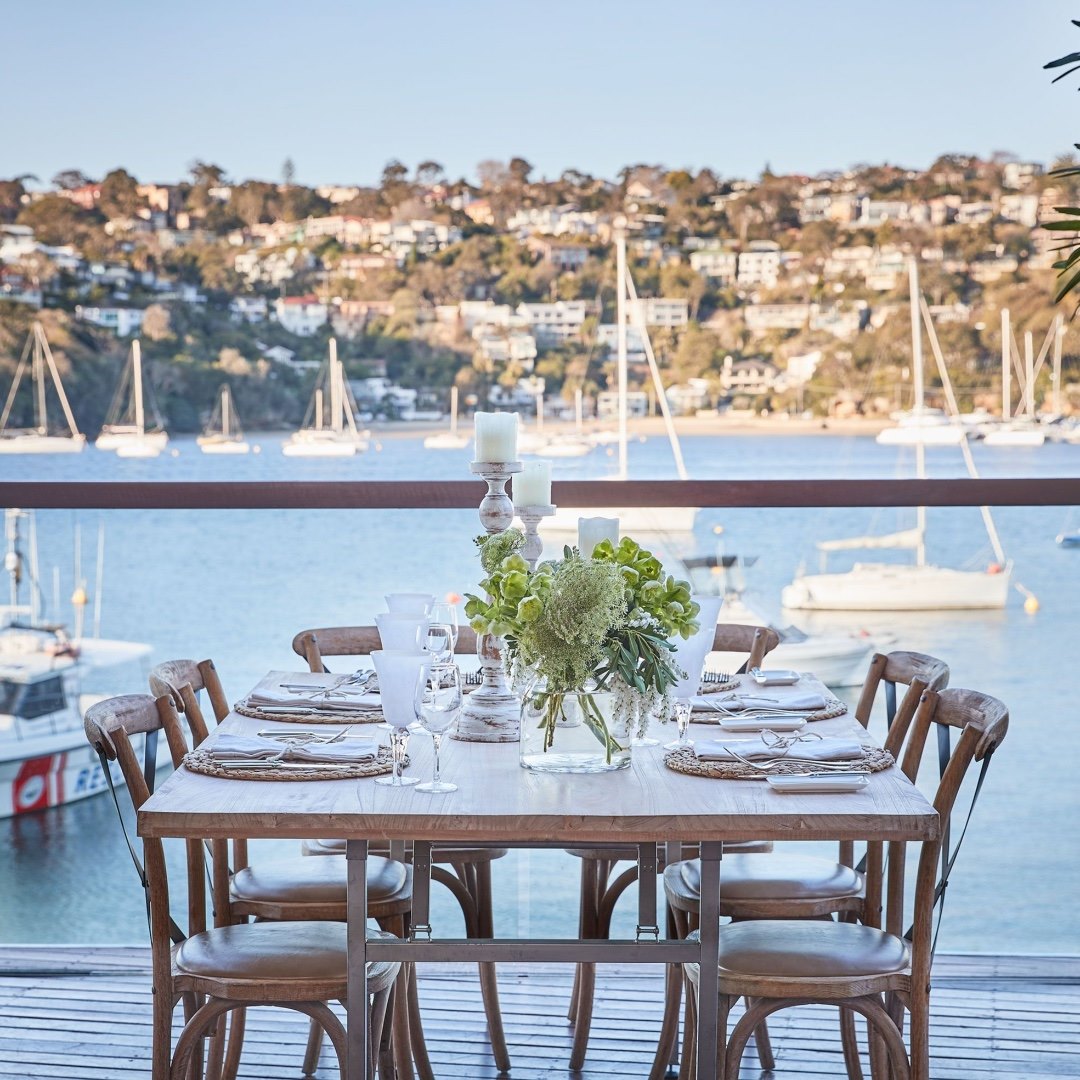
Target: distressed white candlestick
(492,713)
(531,516)
(591,531)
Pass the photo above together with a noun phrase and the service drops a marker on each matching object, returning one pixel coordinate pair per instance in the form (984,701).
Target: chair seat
(267,952)
(313,881)
(807,948)
(776,876)
(441,853)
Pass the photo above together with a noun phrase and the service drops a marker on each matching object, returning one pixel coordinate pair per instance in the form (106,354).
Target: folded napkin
(229,747)
(803,701)
(328,701)
(832,748)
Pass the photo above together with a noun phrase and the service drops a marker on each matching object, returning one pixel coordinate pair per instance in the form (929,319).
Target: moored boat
(125,430)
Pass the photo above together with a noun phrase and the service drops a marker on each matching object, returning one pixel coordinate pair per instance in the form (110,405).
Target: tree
(394,186)
(519,170)
(56,220)
(1069,224)
(70,179)
(11,196)
(157,323)
(429,173)
(119,194)
(288,172)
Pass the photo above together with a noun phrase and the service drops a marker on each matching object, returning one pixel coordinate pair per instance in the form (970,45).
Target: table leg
(356,1067)
(709,961)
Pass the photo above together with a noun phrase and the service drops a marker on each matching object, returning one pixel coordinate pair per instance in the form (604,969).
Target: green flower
(530,609)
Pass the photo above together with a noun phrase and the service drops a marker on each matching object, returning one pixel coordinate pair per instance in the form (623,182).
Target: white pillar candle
(496,437)
(590,531)
(532,486)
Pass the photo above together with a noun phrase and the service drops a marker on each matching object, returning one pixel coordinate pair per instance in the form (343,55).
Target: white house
(15,242)
(759,264)
(123,322)
(607,404)
(1018,174)
(608,334)
(502,348)
(975,213)
(660,311)
(801,368)
(301,315)
(752,377)
(1021,208)
(715,263)
(841,322)
(878,211)
(249,309)
(554,323)
(761,318)
(849,261)
(565,220)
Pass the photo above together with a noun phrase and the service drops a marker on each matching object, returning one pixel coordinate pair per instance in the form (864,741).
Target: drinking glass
(402,677)
(683,708)
(440,643)
(448,614)
(438,710)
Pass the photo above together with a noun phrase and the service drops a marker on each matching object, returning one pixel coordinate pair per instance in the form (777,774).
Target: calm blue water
(236,585)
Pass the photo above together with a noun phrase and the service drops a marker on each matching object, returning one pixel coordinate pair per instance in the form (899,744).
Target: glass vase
(572,732)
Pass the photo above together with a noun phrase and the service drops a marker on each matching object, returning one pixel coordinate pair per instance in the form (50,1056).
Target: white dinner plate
(762,723)
(837,782)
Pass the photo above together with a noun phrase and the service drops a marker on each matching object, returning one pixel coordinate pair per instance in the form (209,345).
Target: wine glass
(448,614)
(683,708)
(437,711)
(440,643)
(402,678)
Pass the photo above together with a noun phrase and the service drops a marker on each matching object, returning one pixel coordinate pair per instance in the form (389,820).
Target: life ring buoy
(38,785)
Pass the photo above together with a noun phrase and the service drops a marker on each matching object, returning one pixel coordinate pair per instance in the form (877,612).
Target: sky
(341,88)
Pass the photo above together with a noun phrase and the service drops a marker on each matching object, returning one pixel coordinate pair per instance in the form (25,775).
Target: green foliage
(1068,267)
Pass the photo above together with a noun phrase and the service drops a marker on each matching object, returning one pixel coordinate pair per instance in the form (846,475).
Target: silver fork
(816,766)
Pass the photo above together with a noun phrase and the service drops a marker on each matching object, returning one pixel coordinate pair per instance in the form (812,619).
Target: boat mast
(1029,376)
(1006,366)
(1059,334)
(453,409)
(13,562)
(337,405)
(620,325)
(225,411)
(579,410)
(318,408)
(917,372)
(38,376)
(40,334)
(136,374)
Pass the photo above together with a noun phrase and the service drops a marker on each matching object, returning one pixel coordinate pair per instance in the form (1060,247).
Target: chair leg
(763,1044)
(325,1020)
(237,1023)
(187,1059)
(400,1039)
(416,1029)
(161,1050)
(849,1038)
(586,973)
(669,1026)
(688,1065)
(489,986)
(314,1048)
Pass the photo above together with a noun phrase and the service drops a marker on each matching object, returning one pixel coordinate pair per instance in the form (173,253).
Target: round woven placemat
(373,716)
(833,707)
(686,761)
(201,762)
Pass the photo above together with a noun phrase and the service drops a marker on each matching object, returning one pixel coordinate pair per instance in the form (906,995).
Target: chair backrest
(182,681)
(756,641)
(110,726)
(313,645)
(916,671)
(981,722)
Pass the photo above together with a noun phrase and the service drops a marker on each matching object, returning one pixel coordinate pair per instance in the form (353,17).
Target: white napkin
(831,748)
(803,701)
(229,747)
(330,702)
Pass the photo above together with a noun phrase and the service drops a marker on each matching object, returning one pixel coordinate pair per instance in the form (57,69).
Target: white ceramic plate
(837,782)
(762,723)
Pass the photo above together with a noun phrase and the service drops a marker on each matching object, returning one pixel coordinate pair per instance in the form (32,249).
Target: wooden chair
(213,971)
(599,893)
(792,886)
(880,973)
(464,870)
(292,889)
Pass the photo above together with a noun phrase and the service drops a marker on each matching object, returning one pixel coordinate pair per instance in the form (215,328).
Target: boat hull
(132,444)
(1014,438)
(229,446)
(928,435)
(445,441)
(632,520)
(43,444)
(886,587)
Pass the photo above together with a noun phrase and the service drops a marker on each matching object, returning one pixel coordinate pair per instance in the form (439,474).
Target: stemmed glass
(437,710)
(446,614)
(402,678)
(440,643)
(683,708)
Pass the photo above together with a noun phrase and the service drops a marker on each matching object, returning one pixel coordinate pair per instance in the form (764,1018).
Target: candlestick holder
(531,516)
(491,713)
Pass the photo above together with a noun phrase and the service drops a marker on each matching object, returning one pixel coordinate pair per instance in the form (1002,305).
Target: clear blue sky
(342,87)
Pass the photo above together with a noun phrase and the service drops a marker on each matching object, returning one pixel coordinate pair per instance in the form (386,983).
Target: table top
(497,800)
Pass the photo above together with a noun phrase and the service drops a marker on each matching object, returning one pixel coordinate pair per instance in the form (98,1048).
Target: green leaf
(1068,288)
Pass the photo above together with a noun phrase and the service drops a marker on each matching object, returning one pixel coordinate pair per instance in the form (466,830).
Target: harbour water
(236,585)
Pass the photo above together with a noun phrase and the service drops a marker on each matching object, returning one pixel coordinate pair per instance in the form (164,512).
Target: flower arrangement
(579,625)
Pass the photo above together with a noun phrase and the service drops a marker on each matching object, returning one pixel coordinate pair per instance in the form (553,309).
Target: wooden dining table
(499,803)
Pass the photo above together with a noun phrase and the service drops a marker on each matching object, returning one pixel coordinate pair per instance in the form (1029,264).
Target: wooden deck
(84,1014)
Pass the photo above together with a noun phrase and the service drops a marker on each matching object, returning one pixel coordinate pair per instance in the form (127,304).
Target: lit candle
(590,531)
(496,436)
(532,486)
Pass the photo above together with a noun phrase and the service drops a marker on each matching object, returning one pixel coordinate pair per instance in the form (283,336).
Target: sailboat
(905,587)
(448,440)
(223,434)
(1022,428)
(335,434)
(665,520)
(125,429)
(38,440)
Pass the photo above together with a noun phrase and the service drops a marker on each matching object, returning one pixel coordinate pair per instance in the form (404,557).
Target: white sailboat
(125,429)
(448,440)
(659,520)
(38,440)
(223,434)
(333,435)
(905,587)
(1021,428)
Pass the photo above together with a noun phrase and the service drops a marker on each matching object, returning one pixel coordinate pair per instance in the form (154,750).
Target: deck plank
(78,1012)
